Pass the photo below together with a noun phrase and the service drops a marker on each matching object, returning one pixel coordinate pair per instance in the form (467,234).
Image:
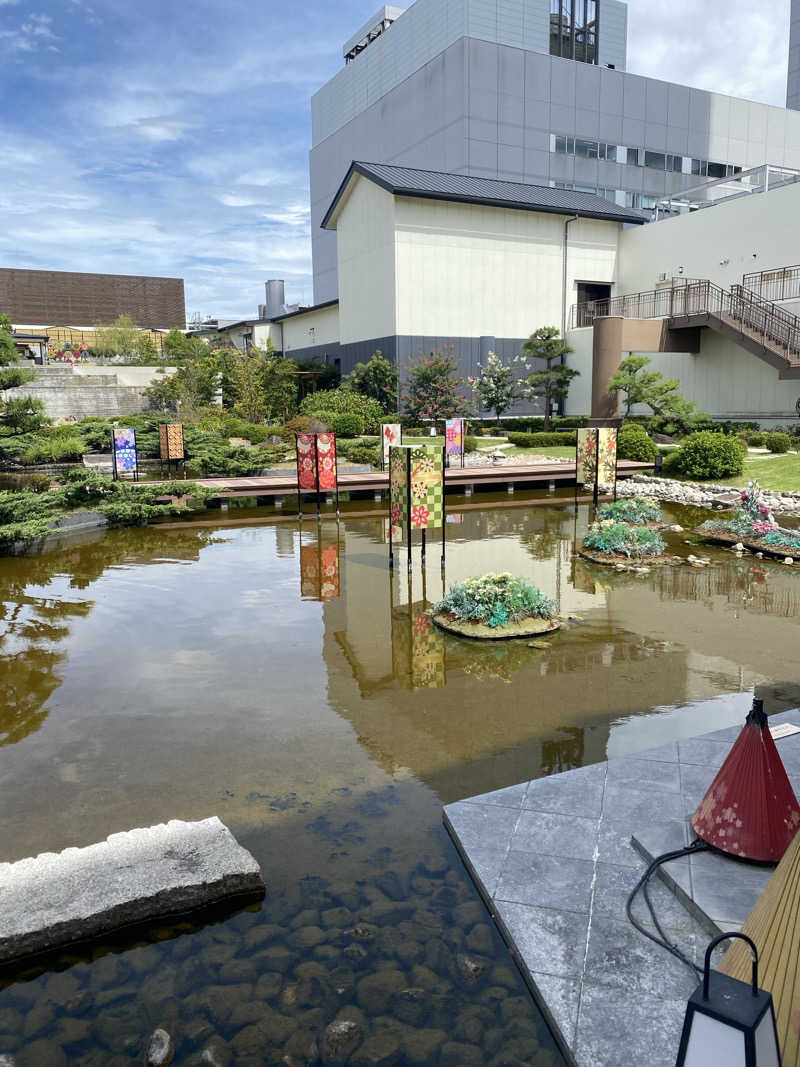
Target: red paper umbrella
(750,810)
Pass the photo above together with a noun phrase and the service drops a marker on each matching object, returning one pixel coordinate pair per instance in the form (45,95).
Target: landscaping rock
(339,1041)
(379,1050)
(215,1054)
(375,991)
(160,1049)
(55,898)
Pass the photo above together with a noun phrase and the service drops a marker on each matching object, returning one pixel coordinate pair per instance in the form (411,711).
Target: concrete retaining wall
(82,392)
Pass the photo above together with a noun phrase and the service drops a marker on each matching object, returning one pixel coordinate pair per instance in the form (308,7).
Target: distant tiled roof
(437,185)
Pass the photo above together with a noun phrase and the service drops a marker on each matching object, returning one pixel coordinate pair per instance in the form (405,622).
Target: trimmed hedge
(543,440)
(755,440)
(347,425)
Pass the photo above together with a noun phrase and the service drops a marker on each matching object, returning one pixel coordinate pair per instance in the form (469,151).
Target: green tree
(249,382)
(176,346)
(19,414)
(552,382)
(639,385)
(280,385)
(498,385)
(378,379)
(146,351)
(120,338)
(434,389)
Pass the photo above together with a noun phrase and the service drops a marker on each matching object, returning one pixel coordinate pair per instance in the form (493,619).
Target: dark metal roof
(437,185)
(306,310)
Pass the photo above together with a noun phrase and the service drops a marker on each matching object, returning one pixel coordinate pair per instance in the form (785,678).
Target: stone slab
(555,860)
(54,899)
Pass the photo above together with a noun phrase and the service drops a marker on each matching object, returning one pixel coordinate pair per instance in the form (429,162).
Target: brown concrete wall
(614,337)
(64,298)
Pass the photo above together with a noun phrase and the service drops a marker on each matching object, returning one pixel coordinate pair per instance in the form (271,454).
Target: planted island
(753,526)
(496,606)
(612,543)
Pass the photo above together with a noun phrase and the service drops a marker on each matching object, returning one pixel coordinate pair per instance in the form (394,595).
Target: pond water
(280,679)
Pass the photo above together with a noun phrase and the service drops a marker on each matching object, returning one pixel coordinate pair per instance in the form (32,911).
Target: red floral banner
(307,461)
(326,460)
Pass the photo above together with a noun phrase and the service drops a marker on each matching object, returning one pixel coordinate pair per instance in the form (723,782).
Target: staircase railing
(739,306)
(780,284)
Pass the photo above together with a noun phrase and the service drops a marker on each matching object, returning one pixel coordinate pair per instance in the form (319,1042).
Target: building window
(641,157)
(573,29)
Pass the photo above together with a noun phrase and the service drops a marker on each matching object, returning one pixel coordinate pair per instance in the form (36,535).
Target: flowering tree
(498,386)
(433,389)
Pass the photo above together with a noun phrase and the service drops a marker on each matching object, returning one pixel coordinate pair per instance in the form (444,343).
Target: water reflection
(320,564)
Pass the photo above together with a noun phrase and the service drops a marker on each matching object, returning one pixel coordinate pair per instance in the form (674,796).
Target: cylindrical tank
(276,298)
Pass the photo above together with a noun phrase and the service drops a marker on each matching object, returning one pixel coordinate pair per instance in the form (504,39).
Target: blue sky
(172,138)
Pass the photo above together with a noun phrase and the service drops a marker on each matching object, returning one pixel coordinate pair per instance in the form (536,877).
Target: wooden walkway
(468,478)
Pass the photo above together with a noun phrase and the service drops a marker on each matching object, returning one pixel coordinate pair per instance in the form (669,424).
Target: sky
(136,138)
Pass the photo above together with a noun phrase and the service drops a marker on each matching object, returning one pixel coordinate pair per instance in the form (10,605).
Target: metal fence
(739,306)
(781,284)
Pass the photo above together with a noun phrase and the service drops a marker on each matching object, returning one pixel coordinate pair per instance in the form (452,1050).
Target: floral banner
(587,456)
(316,461)
(425,471)
(319,571)
(418,656)
(326,460)
(170,439)
(124,444)
(607,457)
(454,437)
(391,436)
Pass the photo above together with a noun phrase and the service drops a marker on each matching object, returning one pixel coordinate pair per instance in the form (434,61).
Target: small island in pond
(637,510)
(494,607)
(613,543)
(753,527)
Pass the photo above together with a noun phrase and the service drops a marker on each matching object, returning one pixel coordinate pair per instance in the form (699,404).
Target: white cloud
(31,35)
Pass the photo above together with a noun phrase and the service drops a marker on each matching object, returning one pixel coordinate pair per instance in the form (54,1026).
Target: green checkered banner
(416,483)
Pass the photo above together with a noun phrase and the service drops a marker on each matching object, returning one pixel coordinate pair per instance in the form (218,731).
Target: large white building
(530,91)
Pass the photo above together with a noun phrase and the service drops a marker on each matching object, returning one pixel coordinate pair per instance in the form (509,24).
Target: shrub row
(543,440)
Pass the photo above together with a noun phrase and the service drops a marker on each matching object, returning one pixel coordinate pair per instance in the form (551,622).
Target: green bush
(708,455)
(470,443)
(53,450)
(796,444)
(364,454)
(495,600)
(634,443)
(755,440)
(777,442)
(486,431)
(543,440)
(344,401)
(20,483)
(302,424)
(347,425)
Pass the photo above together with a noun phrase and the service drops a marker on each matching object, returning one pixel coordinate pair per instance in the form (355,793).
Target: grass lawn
(781,473)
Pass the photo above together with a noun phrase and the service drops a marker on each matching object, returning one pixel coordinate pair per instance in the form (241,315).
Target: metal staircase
(739,314)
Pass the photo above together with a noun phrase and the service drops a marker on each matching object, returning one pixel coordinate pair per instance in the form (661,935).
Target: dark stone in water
(160,1049)
(340,1041)
(480,939)
(379,1050)
(389,883)
(7,1060)
(470,970)
(456,1054)
(39,1053)
(410,1005)
(215,1054)
(375,991)
(357,954)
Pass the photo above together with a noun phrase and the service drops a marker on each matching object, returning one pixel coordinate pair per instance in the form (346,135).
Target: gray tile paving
(556,860)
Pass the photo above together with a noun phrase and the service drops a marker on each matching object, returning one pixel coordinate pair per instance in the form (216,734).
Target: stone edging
(703,494)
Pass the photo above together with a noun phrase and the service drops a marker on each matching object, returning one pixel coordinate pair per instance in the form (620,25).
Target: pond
(278,677)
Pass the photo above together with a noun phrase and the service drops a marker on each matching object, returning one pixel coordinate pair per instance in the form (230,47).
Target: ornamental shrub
(777,442)
(344,401)
(302,424)
(634,443)
(755,440)
(364,454)
(708,455)
(470,443)
(347,425)
(495,600)
(619,539)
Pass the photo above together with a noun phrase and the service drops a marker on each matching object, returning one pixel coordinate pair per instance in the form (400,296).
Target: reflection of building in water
(507,711)
(285,534)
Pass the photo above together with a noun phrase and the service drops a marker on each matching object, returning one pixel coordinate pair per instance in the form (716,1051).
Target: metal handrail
(739,306)
(783,283)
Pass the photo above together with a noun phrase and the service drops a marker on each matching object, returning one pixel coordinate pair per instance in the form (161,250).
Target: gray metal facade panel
(793,84)
(66,298)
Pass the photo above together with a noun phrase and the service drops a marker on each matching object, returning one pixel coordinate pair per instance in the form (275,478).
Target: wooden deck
(528,475)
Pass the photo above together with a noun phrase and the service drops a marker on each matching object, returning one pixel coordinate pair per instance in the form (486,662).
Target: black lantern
(731,1025)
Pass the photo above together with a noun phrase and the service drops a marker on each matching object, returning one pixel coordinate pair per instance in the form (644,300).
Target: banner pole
(299,490)
(596,468)
(423,548)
